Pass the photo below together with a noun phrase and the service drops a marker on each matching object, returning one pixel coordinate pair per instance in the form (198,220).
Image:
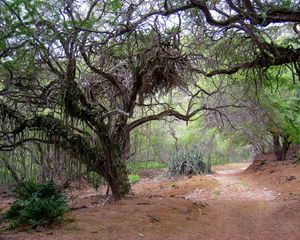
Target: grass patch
(134,178)
(136,166)
(218,162)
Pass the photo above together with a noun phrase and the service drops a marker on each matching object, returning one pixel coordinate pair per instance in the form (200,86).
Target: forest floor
(261,202)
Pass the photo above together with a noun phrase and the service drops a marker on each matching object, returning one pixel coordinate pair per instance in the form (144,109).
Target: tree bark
(117,179)
(12,171)
(281,145)
(114,170)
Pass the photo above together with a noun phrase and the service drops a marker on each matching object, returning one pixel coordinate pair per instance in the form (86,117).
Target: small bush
(36,204)
(133,178)
(187,162)
(94,179)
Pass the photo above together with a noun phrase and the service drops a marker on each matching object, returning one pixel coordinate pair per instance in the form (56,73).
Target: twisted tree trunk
(113,167)
(281,145)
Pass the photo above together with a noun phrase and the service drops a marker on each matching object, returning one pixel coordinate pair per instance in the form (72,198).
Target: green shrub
(133,178)
(187,162)
(36,204)
(95,179)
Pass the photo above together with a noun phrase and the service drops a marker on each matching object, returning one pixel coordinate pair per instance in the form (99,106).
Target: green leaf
(115,5)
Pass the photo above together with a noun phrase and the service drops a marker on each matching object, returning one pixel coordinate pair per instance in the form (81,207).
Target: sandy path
(230,187)
(242,210)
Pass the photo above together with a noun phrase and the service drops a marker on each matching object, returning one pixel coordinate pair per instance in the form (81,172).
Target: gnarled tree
(73,76)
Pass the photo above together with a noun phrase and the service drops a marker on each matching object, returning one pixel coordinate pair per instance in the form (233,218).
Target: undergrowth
(134,178)
(36,204)
(186,162)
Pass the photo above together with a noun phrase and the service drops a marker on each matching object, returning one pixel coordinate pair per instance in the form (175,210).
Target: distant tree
(282,102)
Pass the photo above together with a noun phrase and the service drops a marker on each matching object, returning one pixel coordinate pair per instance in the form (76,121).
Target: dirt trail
(230,187)
(222,206)
(232,170)
(244,210)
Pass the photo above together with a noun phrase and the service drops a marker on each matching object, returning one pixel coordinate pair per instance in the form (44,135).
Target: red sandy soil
(262,202)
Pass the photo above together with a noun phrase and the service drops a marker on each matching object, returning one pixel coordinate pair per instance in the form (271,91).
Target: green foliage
(283,101)
(115,5)
(95,179)
(187,162)
(36,204)
(133,167)
(133,178)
